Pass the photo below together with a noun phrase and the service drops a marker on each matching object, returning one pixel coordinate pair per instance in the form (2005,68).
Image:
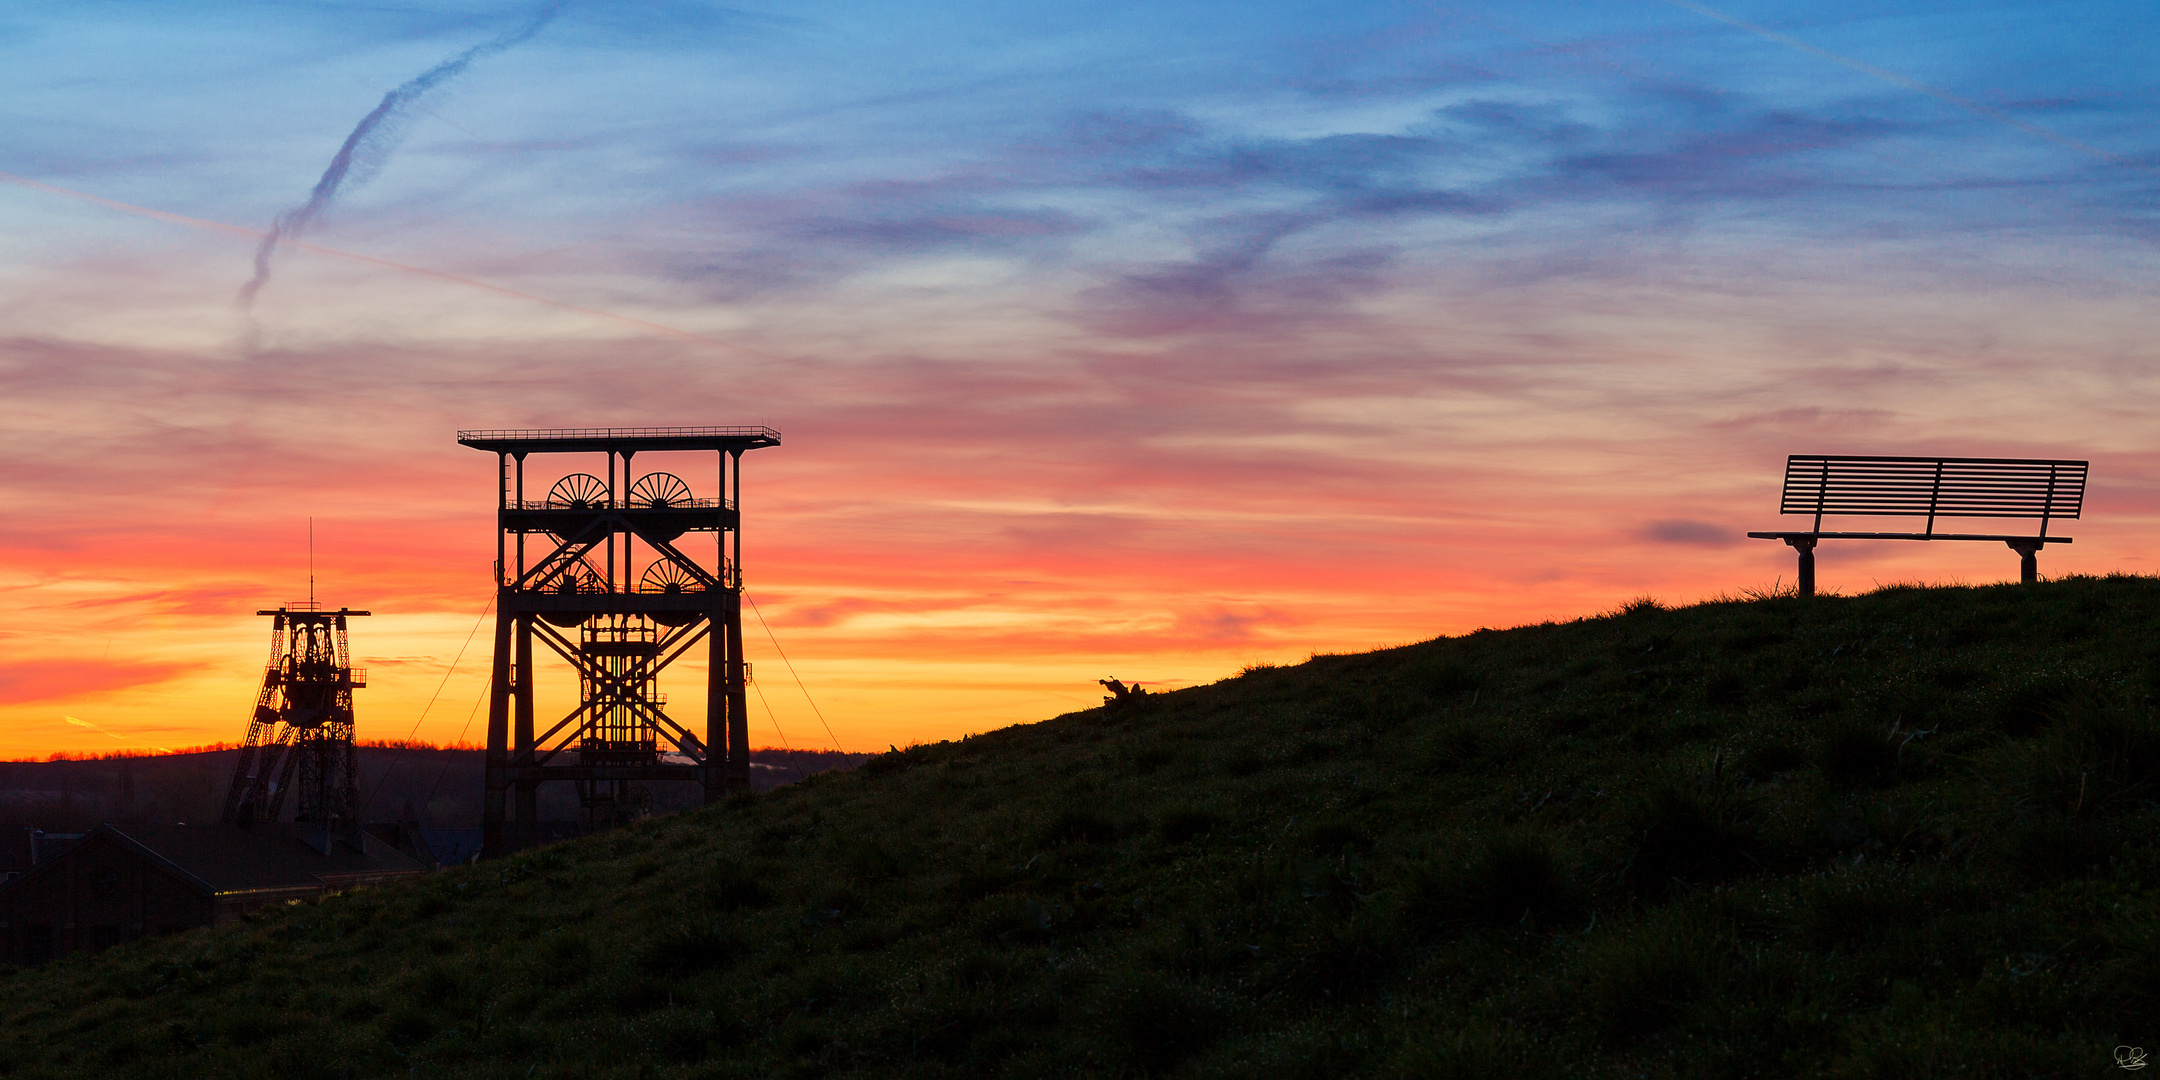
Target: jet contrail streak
(91,726)
(241,230)
(366,142)
(1896,79)
(108,734)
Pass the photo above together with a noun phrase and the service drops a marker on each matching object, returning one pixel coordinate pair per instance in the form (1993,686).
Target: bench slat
(1830,485)
(1904,536)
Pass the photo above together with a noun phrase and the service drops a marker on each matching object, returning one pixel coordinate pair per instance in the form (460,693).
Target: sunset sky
(1106,339)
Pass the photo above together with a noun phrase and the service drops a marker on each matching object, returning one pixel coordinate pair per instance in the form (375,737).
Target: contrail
(238,230)
(102,731)
(1895,79)
(366,143)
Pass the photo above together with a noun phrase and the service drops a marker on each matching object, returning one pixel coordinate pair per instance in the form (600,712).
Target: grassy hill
(1904,834)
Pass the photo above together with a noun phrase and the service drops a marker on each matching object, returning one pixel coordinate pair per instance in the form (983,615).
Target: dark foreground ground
(1906,834)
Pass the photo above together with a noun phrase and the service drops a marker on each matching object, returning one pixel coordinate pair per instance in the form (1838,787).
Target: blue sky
(757,152)
(1191,334)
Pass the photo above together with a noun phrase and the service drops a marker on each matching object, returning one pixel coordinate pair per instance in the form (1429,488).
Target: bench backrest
(1831,484)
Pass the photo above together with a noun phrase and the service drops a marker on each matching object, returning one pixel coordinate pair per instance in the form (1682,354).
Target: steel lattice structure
(301,733)
(599,572)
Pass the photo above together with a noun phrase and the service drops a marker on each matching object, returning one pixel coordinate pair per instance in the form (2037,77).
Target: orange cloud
(68,680)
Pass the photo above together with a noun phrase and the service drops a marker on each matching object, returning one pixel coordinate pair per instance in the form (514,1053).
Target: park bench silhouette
(1834,485)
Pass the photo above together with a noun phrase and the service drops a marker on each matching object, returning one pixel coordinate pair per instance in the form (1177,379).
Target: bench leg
(2028,561)
(1805,545)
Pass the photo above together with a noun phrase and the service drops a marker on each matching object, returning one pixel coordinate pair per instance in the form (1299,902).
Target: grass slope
(1910,833)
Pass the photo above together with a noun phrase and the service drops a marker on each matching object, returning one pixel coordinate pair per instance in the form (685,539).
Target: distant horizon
(1733,596)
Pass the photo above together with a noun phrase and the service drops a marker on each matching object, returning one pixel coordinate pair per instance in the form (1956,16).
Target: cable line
(769,715)
(791,670)
(388,769)
(450,752)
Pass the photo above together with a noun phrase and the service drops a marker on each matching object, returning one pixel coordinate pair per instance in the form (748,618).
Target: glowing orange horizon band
(256,234)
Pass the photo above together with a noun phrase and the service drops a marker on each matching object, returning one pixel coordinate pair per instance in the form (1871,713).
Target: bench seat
(1844,485)
(1911,536)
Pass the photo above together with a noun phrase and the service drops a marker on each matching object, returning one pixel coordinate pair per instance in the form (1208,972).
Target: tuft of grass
(1852,755)
(1691,832)
(1771,754)
(2032,704)
(2098,757)
(1077,825)
(1642,982)
(688,949)
(1148,1023)
(1183,824)
(1511,877)
(1473,1049)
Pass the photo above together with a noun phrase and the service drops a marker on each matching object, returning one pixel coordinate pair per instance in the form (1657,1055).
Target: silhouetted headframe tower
(597,571)
(301,733)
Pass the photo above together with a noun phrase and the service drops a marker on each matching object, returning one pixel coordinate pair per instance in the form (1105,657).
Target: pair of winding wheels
(663,576)
(653,491)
